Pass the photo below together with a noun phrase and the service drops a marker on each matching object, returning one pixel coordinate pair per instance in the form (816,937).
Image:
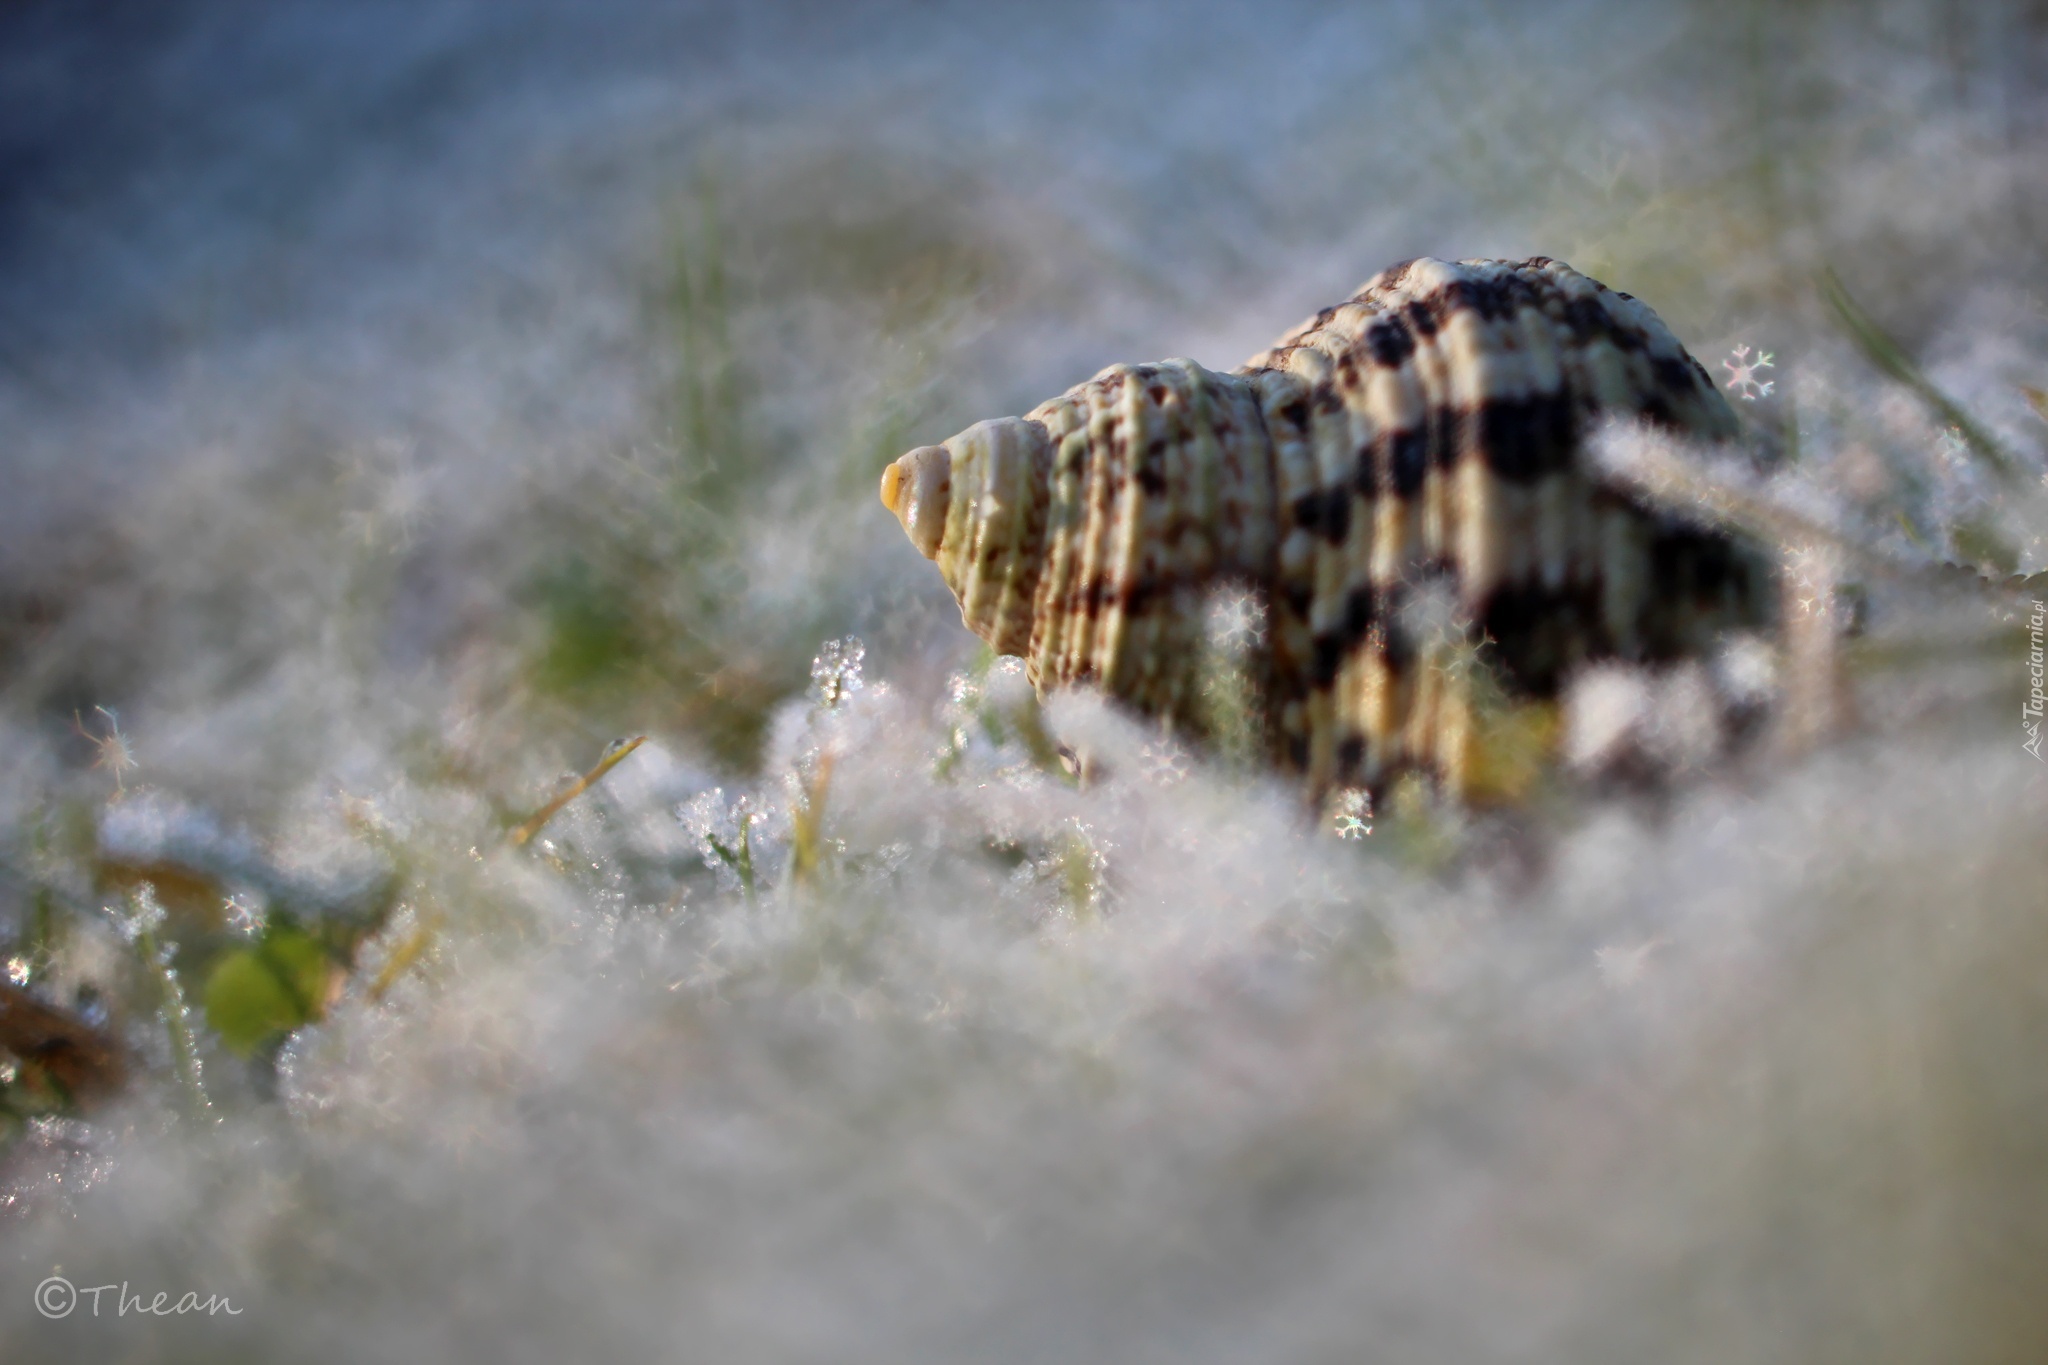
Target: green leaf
(255,994)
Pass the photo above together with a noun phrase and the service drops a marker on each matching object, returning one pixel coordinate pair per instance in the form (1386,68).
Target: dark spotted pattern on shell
(1417,446)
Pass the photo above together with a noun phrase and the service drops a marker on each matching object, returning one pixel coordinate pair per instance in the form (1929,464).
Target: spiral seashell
(1402,473)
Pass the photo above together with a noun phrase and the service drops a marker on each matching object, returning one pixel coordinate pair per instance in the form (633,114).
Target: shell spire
(1403,469)
(976,506)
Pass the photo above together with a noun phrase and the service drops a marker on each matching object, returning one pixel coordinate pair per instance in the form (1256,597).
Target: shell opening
(918,489)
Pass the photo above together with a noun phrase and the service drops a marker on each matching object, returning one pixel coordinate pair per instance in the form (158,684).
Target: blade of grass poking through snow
(613,756)
(1890,357)
(408,950)
(142,917)
(740,856)
(1652,467)
(807,825)
(710,387)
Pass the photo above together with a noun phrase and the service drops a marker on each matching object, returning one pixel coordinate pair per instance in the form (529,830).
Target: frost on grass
(1173,1061)
(872,1009)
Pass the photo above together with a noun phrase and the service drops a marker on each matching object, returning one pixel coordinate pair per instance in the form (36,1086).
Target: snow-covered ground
(398,402)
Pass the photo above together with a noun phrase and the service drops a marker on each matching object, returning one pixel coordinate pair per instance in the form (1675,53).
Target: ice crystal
(138,916)
(836,672)
(246,914)
(113,752)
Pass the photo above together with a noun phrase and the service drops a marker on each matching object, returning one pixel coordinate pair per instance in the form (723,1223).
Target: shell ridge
(1401,481)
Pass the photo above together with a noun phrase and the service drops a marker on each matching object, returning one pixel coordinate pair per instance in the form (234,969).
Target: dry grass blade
(613,756)
(409,950)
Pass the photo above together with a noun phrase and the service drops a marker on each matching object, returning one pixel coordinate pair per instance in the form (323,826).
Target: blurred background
(401,402)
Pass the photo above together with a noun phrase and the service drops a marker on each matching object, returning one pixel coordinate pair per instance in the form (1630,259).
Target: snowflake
(1742,372)
(1351,813)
